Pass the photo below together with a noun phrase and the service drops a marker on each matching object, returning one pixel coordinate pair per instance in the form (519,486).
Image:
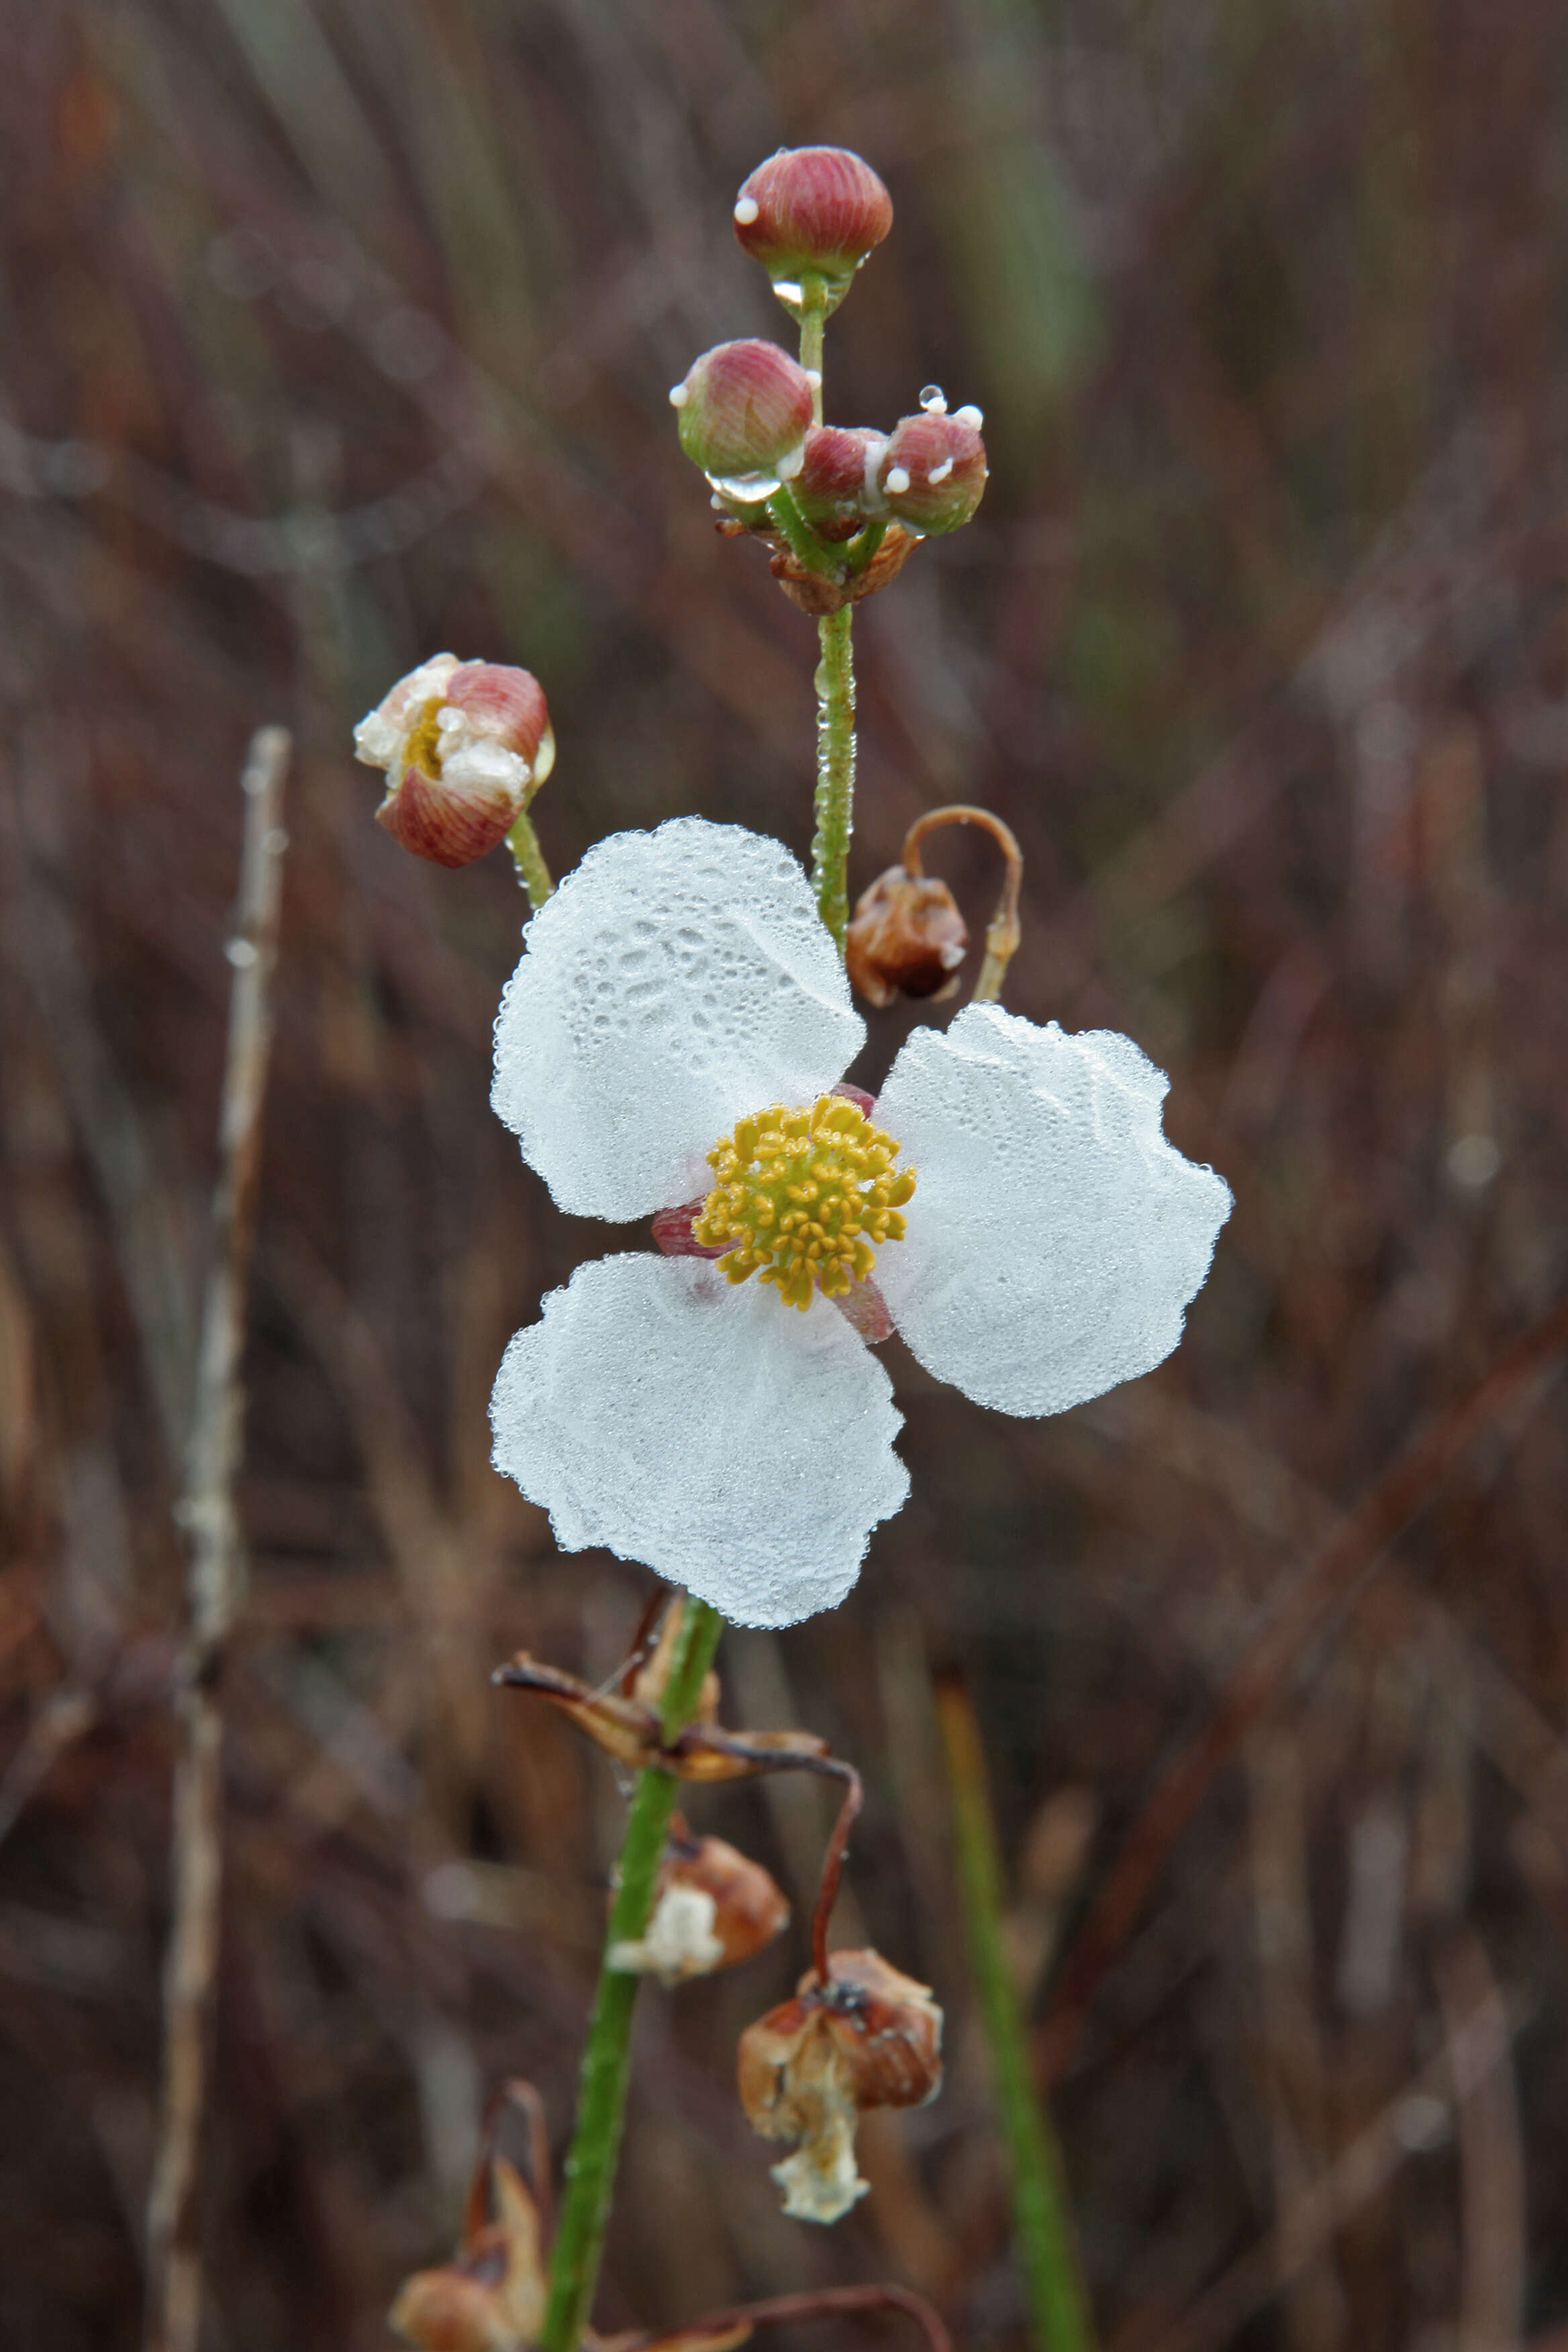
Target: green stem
(810,553)
(1043,2229)
(528,858)
(834,773)
(606,2056)
(813,327)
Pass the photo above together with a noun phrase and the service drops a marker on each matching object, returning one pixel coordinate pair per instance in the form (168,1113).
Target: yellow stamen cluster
(806,1195)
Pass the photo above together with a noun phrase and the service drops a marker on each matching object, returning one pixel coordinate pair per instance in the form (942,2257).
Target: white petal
(737,1446)
(1055,1237)
(675,980)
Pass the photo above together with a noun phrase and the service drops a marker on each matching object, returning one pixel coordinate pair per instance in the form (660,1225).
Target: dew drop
(933,400)
(744,490)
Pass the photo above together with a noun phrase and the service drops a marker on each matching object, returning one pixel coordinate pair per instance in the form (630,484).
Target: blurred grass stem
(1047,2258)
(606,2056)
(528,858)
(173,2318)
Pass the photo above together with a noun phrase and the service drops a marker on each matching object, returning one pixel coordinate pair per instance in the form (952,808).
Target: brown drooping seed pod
(465,745)
(906,937)
(492,2297)
(713,1907)
(864,2036)
(932,472)
(812,209)
(744,409)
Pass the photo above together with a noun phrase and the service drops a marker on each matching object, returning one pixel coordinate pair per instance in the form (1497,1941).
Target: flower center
(806,1195)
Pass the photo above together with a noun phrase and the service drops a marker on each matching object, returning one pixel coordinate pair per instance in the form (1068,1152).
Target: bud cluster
(840,506)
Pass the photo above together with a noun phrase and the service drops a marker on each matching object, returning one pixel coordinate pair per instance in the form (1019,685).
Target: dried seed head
(906,937)
(465,745)
(868,2037)
(491,2298)
(713,1907)
(743,410)
(812,208)
(836,488)
(932,472)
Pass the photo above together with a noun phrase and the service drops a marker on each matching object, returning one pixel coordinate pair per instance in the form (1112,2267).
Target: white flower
(680,982)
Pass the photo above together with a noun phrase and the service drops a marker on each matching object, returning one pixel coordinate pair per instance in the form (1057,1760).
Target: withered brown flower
(864,2036)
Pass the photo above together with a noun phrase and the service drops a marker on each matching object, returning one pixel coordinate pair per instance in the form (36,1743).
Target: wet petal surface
(675,980)
(738,1449)
(1057,1237)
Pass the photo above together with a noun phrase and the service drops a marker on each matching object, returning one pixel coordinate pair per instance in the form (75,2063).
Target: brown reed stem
(173,2313)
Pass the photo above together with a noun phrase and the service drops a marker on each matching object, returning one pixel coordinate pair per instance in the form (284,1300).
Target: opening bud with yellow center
(804,1197)
(465,745)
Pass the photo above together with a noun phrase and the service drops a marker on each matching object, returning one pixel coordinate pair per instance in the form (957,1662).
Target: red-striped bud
(836,488)
(465,745)
(819,209)
(744,411)
(932,472)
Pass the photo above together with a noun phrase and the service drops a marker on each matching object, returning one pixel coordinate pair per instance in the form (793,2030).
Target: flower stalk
(834,773)
(1042,2230)
(529,859)
(607,2057)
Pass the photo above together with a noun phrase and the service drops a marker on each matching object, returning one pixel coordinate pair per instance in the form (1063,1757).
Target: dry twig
(207,1513)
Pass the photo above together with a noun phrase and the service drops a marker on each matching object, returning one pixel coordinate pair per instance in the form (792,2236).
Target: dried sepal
(818,593)
(630,1732)
(490,2297)
(906,937)
(464,746)
(861,2034)
(653,1673)
(713,1906)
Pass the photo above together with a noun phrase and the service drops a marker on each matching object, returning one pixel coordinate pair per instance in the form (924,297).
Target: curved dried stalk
(1003,931)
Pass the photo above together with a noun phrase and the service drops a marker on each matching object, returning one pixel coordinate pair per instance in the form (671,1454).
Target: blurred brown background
(338,331)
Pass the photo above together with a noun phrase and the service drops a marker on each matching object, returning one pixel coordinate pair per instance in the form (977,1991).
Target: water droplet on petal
(933,400)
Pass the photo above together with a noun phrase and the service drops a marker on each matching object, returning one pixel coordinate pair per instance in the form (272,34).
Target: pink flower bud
(812,208)
(934,470)
(836,488)
(743,413)
(465,745)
